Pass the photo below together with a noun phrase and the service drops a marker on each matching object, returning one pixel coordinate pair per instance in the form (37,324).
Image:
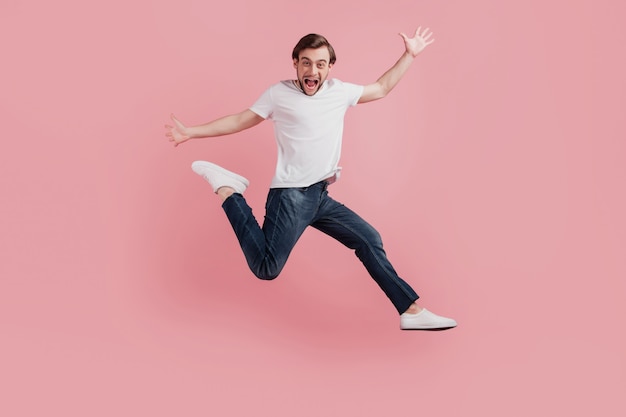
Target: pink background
(495,173)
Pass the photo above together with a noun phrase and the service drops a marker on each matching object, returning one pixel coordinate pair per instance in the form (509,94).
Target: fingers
(175,133)
(425,35)
(169,135)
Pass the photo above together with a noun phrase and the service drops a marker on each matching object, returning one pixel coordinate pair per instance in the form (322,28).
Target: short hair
(313,41)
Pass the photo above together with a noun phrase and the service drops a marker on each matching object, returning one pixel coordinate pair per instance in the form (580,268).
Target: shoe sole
(432,329)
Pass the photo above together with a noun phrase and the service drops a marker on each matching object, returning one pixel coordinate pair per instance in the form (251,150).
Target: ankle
(413,309)
(225,192)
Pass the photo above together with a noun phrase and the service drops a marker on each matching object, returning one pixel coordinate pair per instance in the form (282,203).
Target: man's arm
(390,79)
(227,125)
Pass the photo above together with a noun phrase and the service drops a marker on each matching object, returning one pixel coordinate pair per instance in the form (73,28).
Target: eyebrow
(309,59)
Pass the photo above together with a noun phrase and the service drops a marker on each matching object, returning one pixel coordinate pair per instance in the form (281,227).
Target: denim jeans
(289,211)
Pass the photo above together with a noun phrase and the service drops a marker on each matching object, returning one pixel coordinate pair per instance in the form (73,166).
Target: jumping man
(308,115)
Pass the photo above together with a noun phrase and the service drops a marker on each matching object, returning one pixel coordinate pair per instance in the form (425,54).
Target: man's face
(312,68)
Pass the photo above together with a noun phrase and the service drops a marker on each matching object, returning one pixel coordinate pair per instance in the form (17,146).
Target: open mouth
(310,84)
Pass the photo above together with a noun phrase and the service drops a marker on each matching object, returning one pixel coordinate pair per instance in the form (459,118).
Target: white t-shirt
(308,129)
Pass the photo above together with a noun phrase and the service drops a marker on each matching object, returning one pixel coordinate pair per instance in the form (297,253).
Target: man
(308,115)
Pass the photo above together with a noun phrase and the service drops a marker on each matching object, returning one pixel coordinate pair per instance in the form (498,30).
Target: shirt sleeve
(354,92)
(264,106)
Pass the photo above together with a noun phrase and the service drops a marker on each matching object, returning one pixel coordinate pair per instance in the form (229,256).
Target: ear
(330,66)
(295,62)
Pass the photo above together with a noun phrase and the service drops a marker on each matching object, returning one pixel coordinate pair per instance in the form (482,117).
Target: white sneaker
(425,320)
(220,177)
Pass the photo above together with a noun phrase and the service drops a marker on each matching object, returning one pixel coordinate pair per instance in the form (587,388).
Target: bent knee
(267,270)
(266,274)
(266,277)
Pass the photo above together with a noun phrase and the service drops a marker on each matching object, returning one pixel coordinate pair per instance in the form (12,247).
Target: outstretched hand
(176,133)
(418,42)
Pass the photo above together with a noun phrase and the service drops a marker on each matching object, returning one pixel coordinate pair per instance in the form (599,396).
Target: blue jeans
(291,210)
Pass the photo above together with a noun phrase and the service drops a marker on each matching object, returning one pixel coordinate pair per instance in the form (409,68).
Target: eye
(320,66)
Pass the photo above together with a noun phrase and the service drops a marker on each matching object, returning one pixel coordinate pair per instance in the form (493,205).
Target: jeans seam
(369,246)
(256,243)
(269,242)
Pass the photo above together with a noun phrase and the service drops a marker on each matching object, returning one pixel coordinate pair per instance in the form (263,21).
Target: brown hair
(313,41)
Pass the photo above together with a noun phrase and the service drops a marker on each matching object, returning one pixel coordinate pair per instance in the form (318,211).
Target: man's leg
(288,213)
(344,225)
(266,248)
(341,223)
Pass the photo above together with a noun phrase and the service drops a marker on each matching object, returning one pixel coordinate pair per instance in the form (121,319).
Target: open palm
(418,42)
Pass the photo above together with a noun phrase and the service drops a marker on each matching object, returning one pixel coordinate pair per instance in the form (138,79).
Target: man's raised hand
(418,42)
